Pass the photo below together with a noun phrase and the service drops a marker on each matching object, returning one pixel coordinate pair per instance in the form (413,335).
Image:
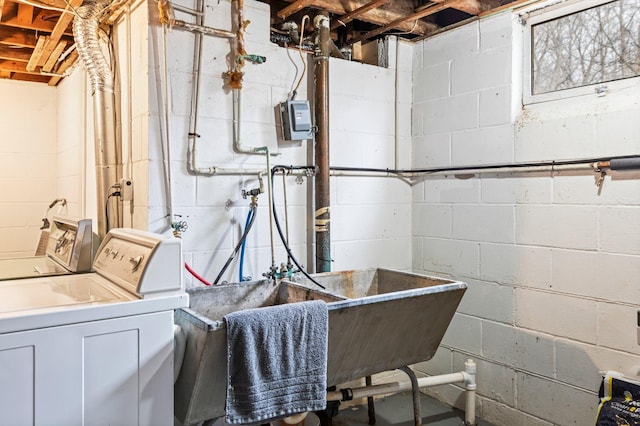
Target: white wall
(552,267)
(28,114)
(370,216)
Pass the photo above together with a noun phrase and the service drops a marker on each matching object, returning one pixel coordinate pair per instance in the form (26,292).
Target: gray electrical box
(296,120)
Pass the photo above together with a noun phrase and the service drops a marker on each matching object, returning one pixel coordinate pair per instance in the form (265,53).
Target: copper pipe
(322,186)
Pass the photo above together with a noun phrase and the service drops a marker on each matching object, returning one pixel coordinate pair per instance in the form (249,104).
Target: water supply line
(273,269)
(242,249)
(322,215)
(166,16)
(234,79)
(86,27)
(253,206)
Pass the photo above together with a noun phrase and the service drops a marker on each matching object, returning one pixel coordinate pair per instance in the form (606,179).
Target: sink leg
(324,419)
(326,416)
(415,391)
(371,408)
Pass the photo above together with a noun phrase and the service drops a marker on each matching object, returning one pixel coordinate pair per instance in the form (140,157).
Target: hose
(195,274)
(239,245)
(244,243)
(279,228)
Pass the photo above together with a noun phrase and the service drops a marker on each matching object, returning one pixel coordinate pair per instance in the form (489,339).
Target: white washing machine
(95,348)
(69,250)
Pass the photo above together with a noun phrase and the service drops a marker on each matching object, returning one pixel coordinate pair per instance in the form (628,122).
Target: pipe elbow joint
(469,374)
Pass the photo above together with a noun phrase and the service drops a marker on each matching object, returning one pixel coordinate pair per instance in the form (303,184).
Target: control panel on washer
(141,262)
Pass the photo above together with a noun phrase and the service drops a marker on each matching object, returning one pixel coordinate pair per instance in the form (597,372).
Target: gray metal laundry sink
(379,320)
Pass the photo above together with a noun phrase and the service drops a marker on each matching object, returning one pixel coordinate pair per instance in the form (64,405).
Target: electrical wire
(106,204)
(304,62)
(237,248)
(195,274)
(295,77)
(390,171)
(279,228)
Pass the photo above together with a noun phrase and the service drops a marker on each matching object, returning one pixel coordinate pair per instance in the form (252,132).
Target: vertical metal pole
(322,188)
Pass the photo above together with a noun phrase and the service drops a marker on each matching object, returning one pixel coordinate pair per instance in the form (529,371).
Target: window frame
(550,12)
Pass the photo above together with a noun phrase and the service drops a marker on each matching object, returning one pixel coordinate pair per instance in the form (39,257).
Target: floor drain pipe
(321,105)
(468,377)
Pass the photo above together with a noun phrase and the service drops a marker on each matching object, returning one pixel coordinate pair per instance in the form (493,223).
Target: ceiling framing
(36,39)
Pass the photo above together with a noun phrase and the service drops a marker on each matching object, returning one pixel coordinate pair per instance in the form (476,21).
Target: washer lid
(35,294)
(29,267)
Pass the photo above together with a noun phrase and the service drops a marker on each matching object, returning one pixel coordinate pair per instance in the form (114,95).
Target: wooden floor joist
(345,19)
(58,31)
(53,58)
(16,54)
(36,55)
(414,16)
(293,8)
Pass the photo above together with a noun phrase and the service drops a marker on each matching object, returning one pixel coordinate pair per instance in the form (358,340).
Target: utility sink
(379,320)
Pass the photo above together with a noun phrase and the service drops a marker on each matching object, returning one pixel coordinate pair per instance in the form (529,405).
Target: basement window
(586,47)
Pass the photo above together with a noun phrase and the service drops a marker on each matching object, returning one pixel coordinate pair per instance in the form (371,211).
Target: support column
(321,106)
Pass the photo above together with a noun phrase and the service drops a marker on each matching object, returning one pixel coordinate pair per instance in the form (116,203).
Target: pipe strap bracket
(322,225)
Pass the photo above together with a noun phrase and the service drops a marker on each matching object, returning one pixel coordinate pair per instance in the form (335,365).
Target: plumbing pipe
(468,377)
(286,215)
(237,126)
(86,34)
(625,164)
(202,29)
(267,155)
(470,387)
(322,186)
(166,148)
(396,109)
(188,10)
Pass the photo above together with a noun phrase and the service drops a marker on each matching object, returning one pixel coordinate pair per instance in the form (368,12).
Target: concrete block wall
(27,163)
(74,154)
(551,265)
(371,216)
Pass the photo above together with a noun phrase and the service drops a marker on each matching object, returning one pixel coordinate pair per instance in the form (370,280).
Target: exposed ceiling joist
(37,53)
(12,53)
(345,19)
(25,14)
(12,37)
(53,42)
(412,17)
(53,58)
(382,15)
(294,7)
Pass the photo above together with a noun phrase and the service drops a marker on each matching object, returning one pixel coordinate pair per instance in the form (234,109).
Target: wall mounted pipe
(267,155)
(108,157)
(322,215)
(177,23)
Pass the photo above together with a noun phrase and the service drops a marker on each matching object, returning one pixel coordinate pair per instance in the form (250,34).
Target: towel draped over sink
(276,361)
